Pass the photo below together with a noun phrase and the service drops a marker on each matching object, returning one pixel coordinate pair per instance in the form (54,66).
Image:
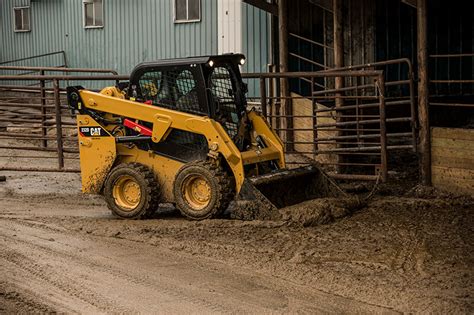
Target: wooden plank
(455,185)
(453,172)
(452,154)
(460,182)
(452,133)
(462,163)
(455,144)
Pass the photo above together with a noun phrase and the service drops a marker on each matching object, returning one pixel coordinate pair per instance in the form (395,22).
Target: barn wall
(255,43)
(229,20)
(133,32)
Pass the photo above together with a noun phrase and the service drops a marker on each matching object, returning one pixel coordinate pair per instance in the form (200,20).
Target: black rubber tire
(221,184)
(149,187)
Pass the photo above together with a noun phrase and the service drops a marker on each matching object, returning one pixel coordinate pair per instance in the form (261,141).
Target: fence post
(338,30)
(314,111)
(383,129)
(271,92)
(59,133)
(263,97)
(423,92)
(44,133)
(286,104)
(413,123)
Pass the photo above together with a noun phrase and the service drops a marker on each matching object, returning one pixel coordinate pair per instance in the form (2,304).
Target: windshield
(223,88)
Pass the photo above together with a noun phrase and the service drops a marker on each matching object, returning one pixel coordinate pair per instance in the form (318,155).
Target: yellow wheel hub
(127,192)
(197,191)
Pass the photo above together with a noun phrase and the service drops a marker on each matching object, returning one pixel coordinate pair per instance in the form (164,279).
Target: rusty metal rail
(35,121)
(58,69)
(354,146)
(61,52)
(447,90)
(401,108)
(349,141)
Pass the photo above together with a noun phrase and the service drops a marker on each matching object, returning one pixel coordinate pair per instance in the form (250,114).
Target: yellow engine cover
(97,152)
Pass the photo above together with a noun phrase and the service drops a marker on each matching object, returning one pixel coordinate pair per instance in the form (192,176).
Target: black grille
(223,92)
(172,89)
(183,145)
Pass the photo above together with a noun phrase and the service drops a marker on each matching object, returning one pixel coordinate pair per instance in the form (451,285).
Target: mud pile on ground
(320,211)
(308,213)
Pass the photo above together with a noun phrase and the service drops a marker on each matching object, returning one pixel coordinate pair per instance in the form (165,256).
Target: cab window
(173,89)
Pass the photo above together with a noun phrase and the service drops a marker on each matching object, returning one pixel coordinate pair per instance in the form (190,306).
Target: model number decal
(92,132)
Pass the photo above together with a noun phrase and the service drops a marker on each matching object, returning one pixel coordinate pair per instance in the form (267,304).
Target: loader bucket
(266,193)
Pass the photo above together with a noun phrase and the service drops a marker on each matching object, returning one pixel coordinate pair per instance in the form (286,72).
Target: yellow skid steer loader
(179,132)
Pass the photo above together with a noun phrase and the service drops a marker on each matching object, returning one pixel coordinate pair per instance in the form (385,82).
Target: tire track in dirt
(380,256)
(105,268)
(256,295)
(108,269)
(14,298)
(45,278)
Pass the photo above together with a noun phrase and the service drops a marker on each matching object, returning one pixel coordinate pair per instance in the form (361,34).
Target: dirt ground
(61,251)
(407,250)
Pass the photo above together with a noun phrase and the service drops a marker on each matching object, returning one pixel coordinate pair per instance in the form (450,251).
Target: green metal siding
(255,43)
(134,31)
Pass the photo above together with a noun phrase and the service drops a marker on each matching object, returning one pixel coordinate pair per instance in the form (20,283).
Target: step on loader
(179,132)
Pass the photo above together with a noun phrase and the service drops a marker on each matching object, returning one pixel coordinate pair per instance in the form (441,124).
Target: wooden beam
(325,4)
(423,110)
(411,3)
(338,29)
(264,5)
(338,21)
(286,105)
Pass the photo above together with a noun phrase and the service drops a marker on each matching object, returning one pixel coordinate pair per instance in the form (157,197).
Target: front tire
(131,191)
(202,190)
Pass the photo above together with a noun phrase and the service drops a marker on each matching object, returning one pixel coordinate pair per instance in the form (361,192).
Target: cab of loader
(205,86)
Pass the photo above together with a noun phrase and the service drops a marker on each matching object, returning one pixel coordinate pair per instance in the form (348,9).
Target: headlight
(210,63)
(242,61)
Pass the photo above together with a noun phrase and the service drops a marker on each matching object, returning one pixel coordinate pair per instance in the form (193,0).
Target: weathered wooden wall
(359,32)
(452,159)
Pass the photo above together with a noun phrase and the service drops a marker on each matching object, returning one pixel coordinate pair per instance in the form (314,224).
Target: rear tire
(132,191)
(202,190)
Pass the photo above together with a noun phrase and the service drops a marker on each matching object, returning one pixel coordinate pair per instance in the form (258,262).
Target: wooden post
(286,106)
(338,63)
(263,98)
(423,112)
(383,130)
(44,131)
(59,126)
(338,44)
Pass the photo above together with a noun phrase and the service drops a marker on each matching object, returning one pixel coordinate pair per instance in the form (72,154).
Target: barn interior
(425,50)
